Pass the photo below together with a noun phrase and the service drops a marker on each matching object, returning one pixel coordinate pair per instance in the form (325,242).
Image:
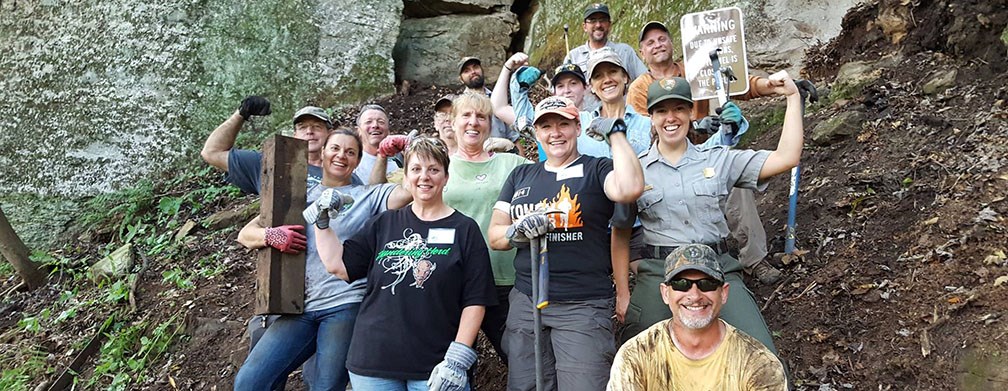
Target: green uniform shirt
(473,188)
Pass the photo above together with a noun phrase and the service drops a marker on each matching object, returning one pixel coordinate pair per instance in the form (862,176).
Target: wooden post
(280,277)
(16,253)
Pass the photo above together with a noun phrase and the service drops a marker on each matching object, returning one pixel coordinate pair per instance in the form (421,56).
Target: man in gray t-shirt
(597,24)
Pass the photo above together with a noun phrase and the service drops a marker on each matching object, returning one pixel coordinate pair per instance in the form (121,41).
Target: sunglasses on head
(684,284)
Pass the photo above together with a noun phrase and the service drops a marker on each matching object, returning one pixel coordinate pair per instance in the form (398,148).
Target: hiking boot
(765,273)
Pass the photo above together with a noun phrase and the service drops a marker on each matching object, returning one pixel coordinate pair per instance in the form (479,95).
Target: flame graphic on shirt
(571,208)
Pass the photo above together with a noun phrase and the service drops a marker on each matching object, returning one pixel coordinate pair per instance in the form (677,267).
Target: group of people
(415,244)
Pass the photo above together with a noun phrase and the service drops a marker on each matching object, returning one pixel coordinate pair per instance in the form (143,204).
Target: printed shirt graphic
(579,260)
(420,275)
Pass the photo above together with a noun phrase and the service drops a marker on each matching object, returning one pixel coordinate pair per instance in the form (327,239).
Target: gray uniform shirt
(684,202)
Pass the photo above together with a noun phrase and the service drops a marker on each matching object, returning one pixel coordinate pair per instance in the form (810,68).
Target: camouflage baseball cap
(665,89)
(313,111)
(466,60)
(444,100)
(570,69)
(693,257)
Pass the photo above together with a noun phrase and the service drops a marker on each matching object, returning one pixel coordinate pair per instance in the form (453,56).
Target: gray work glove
(524,127)
(329,204)
(707,125)
(450,374)
(601,128)
(254,105)
(533,225)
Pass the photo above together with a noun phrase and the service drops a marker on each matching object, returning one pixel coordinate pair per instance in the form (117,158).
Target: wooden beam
(280,277)
(16,253)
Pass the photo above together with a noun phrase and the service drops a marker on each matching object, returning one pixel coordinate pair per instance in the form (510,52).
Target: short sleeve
(624,215)
(744,166)
(359,249)
(478,284)
(244,170)
(637,95)
(603,168)
(508,189)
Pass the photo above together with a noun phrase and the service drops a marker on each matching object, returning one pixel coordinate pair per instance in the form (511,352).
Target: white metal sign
(702,34)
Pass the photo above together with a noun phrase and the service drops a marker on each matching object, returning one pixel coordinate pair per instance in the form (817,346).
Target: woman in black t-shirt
(428,284)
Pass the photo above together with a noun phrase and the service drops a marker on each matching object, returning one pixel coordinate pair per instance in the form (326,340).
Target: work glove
(329,204)
(731,118)
(524,127)
(450,374)
(533,225)
(254,105)
(393,145)
(707,125)
(601,128)
(527,76)
(807,90)
(497,144)
(287,238)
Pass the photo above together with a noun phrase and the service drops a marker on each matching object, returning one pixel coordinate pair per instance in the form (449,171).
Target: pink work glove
(287,238)
(392,145)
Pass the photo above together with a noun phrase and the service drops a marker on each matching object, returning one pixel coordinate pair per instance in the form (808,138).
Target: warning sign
(702,34)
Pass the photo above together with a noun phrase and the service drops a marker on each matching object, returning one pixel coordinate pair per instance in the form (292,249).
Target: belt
(660,252)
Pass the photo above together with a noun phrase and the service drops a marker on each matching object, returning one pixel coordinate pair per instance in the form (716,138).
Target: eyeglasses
(685,284)
(597,20)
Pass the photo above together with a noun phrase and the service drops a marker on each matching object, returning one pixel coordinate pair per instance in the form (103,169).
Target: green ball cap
(665,89)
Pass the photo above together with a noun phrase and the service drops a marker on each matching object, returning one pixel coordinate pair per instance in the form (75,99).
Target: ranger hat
(665,89)
(654,24)
(595,8)
(466,60)
(555,105)
(313,111)
(693,257)
(568,68)
(605,54)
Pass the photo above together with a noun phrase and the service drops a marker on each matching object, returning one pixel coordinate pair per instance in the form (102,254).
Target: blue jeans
(290,340)
(367,383)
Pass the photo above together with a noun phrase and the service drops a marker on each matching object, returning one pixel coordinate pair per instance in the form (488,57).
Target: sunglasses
(685,284)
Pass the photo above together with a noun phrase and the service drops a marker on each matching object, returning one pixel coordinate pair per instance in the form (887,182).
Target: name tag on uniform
(441,236)
(708,172)
(576,171)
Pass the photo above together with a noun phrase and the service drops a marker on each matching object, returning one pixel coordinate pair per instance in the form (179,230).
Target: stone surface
(115,264)
(773,41)
(853,76)
(429,8)
(429,48)
(98,94)
(940,81)
(842,125)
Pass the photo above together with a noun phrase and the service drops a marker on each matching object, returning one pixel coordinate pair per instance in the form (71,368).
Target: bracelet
(509,69)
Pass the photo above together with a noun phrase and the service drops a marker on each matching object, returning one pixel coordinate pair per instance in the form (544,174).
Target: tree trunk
(16,253)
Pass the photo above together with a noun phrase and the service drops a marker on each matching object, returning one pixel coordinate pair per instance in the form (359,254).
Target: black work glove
(254,105)
(807,90)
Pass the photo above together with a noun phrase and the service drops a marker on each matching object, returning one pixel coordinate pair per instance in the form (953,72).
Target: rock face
(838,127)
(429,48)
(96,95)
(428,8)
(773,42)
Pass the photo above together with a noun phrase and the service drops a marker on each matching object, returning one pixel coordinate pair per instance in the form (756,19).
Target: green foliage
(116,292)
(22,369)
(178,278)
(125,356)
(766,121)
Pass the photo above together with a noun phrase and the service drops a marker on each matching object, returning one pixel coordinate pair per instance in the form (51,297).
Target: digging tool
(566,41)
(722,81)
(540,296)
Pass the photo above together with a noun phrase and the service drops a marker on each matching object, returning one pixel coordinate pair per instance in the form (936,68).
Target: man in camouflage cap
(695,350)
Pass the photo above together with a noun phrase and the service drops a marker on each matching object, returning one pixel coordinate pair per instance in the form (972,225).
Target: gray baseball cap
(602,55)
(465,60)
(313,111)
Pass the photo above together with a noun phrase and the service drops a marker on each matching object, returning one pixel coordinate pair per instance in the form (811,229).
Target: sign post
(705,32)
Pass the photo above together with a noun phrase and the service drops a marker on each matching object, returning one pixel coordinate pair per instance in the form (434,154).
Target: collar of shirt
(653,155)
(627,115)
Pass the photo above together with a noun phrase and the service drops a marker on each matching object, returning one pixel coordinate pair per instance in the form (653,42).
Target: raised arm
(789,148)
(221,140)
(330,249)
(499,97)
(399,198)
(626,181)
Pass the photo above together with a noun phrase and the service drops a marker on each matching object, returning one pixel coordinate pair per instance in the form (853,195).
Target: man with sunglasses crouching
(695,349)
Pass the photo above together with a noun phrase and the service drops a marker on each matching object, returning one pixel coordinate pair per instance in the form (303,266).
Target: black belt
(660,252)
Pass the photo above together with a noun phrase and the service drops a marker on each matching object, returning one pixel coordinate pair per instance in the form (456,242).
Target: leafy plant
(130,349)
(22,370)
(177,277)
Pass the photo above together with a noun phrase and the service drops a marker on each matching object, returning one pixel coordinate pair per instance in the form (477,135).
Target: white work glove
(329,204)
(497,144)
(450,374)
